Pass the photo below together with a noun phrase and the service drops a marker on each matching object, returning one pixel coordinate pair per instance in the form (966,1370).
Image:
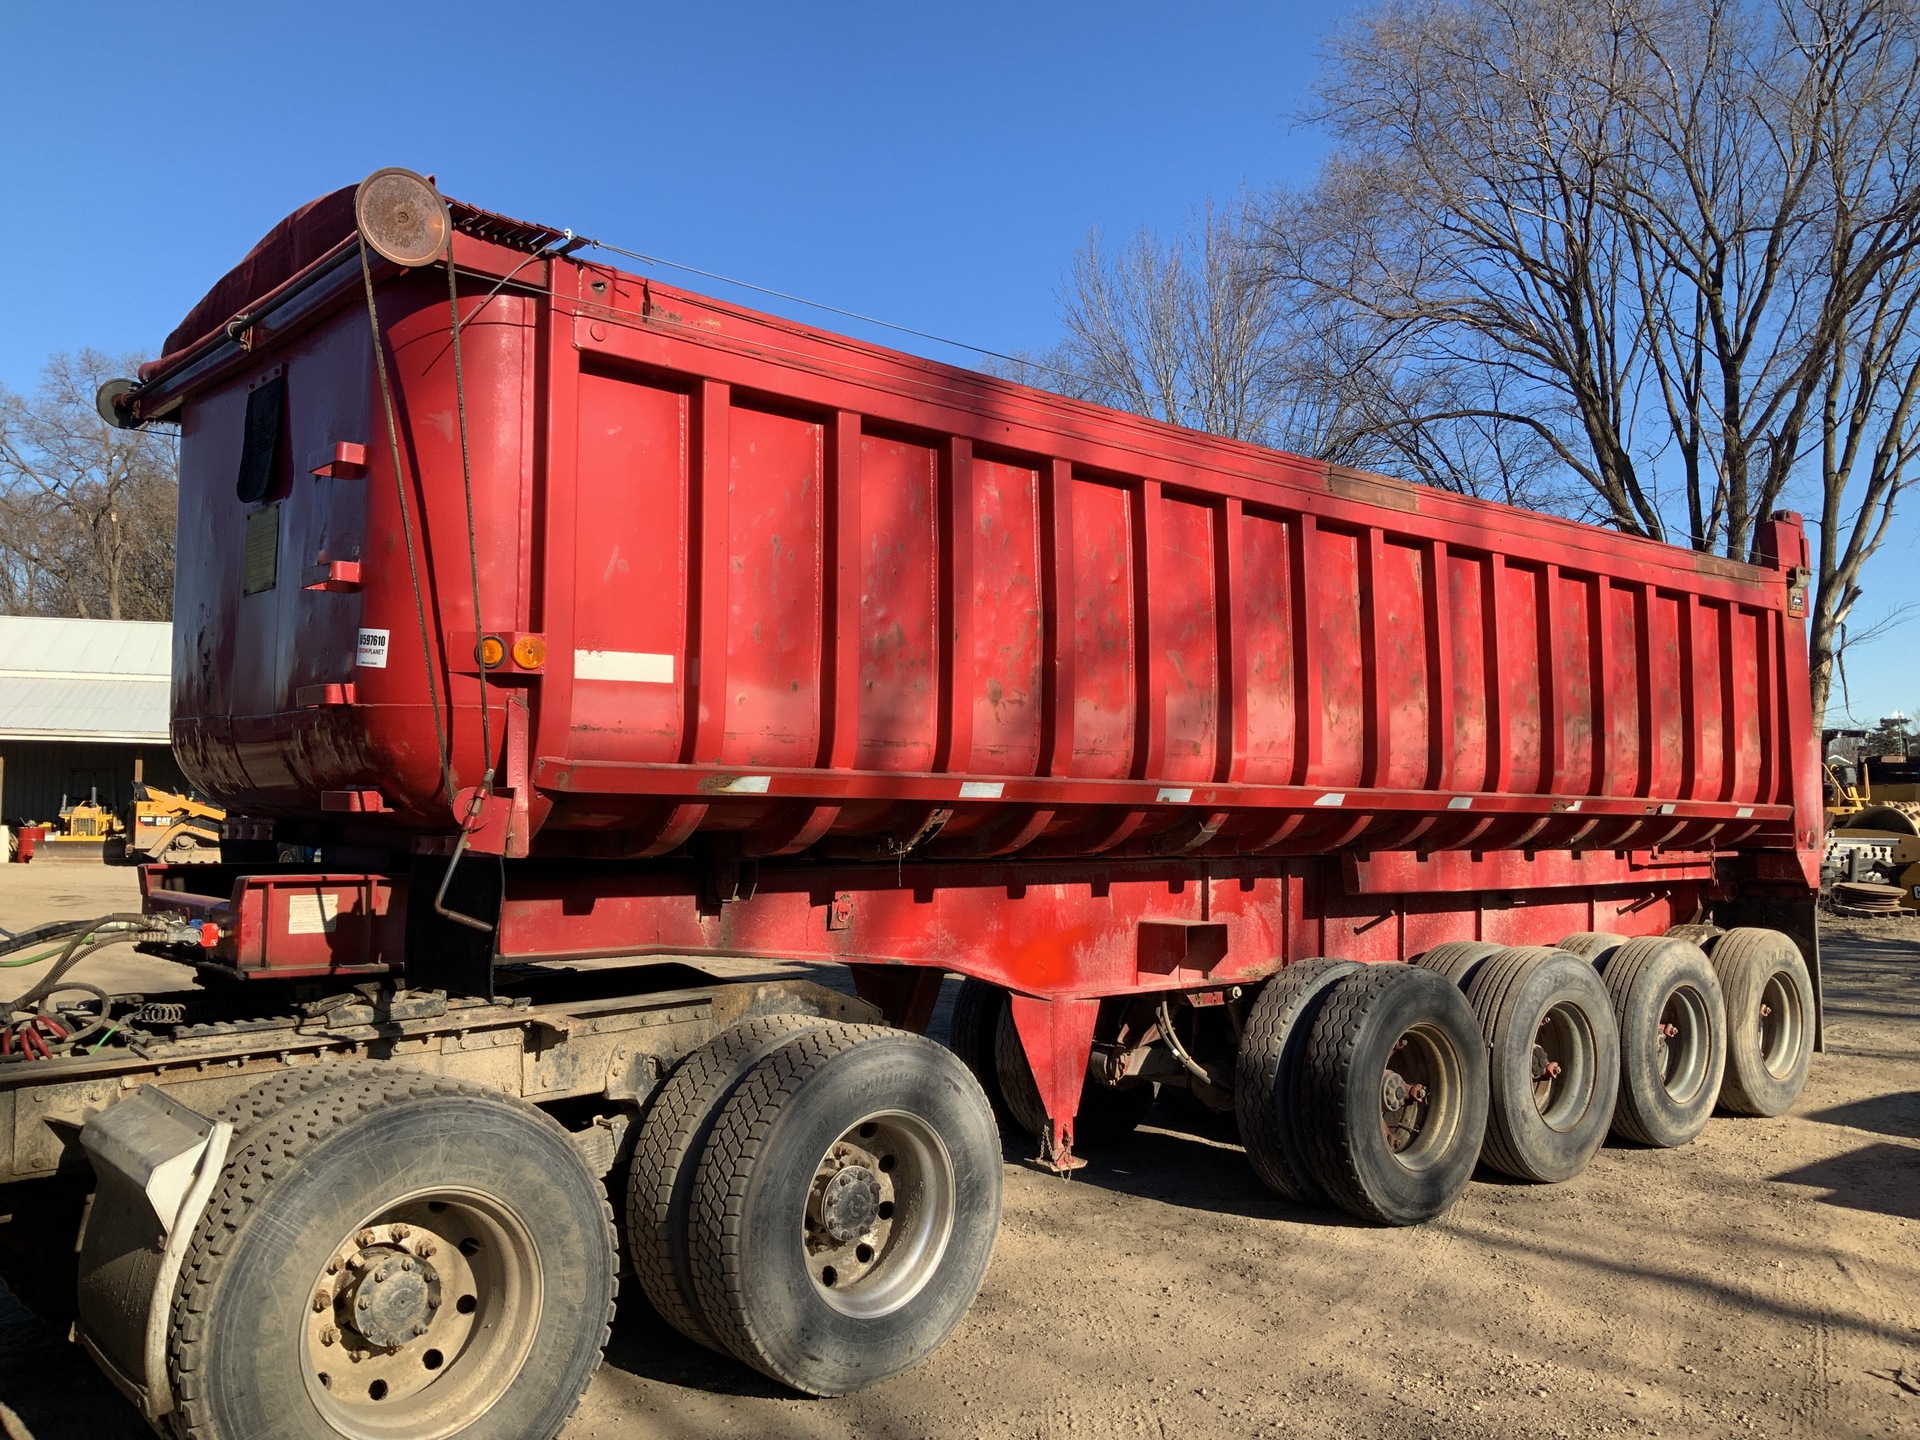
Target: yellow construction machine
(179,829)
(1872,861)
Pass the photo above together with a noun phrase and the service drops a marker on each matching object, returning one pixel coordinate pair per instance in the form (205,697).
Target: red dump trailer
(583,652)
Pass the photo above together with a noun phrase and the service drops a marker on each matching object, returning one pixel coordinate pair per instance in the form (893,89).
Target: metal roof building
(83,710)
(84,680)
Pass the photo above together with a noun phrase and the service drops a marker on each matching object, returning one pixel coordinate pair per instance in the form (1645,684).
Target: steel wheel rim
(475,1261)
(1563,1066)
(1682,1049)
(1420,1098)
(878,1214)
(1782,1023)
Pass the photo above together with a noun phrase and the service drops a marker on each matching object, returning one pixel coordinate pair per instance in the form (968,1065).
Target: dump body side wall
(822,595)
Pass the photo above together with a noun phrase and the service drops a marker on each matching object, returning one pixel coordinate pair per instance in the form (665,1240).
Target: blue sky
(931,164)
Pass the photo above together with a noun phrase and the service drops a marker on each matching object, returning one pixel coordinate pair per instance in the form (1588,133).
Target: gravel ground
(1764,1280)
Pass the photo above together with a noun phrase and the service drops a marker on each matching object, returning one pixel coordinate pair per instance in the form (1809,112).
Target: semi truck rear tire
(1456,960)
(1553,1061)
(667,1155)
(1705,936)
(1592,946)
(1107,1112)
(1769,998)
(1267,1072)
(975,1027)
(406,1256)
(272,1095)
(884,1146)
(1393,1106)
(1673,1039)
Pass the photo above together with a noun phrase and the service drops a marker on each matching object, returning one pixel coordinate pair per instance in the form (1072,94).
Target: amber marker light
(490,651)
(530,651)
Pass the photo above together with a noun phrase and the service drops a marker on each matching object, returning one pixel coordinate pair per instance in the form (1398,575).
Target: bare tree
(1682,234)
(86,511)
(1201,329)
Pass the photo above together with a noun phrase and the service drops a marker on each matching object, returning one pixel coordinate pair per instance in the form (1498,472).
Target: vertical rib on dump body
(751,577)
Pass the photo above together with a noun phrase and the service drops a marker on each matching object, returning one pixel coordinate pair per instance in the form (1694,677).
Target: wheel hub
(850,1203)
(391,1296)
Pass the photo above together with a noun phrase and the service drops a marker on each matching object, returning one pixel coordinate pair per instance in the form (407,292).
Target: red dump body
(823,594)
(1017,686)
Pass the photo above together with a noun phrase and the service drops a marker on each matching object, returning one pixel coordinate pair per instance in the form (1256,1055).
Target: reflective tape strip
(1460,802)
(1338,797)
(1170,796)
(981,789)
(634,665)
(745,784)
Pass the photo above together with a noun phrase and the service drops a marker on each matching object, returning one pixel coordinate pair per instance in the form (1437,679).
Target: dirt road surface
(1763,1281)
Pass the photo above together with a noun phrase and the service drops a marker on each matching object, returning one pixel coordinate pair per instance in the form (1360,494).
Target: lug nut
(425,1248)
(333,1266)
(400,1232)
(321,1300)
(366,1302)
(329,1335)
(406,1264)
(366,1237)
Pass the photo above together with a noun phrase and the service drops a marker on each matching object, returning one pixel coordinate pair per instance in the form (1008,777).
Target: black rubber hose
(42,933)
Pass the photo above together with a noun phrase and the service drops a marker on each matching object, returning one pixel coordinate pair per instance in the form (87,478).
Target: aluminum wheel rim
(1420,1098)
(1682,1048)
(475,1261)
(878,1215)
(1563,1067)
(1782,1024)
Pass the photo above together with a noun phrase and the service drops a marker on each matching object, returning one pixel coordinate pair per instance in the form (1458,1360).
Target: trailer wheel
(667,1156)
(404,1257)
(1553,1061)
(1705,936)
(1393,1106)
(1593,946)
(1107,1112)
(1673,1038)
(1456,960)
(1770,1010)
(881,1147)
(975,1028)
(1267,1071)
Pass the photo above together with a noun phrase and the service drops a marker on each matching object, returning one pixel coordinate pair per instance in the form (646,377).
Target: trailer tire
(1705,936)
(1770,1009)
(666,1158)
(1107,1112)
(413,1162)
(1456,960)
(838,1126)
(974,1029)
(1668,1082)
(1592,946)
(1541,1007)
(1267,1072)
(1352,1093)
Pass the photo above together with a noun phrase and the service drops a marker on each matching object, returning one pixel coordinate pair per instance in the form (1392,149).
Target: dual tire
(820,1203)
(1365,1086)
